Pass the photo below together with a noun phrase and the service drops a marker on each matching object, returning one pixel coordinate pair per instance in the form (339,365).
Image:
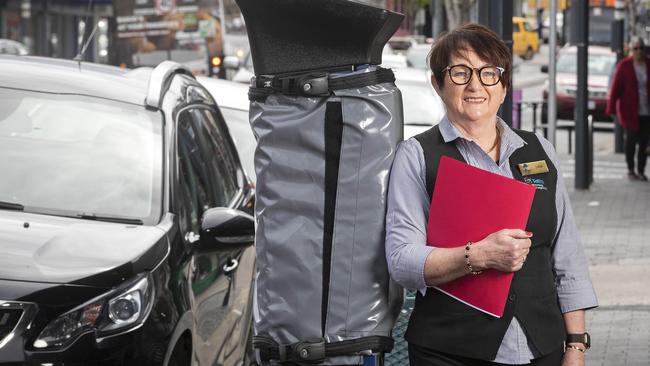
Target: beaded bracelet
(469,265)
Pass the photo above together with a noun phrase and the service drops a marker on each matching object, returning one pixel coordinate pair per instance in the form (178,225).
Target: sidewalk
(614,220)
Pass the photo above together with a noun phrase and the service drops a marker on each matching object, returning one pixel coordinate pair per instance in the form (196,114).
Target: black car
(125,219)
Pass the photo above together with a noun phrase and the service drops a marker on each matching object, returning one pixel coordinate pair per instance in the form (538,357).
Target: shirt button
(512,297)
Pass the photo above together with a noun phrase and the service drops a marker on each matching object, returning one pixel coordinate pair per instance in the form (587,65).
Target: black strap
(317,350)
(314,84)
(333,132)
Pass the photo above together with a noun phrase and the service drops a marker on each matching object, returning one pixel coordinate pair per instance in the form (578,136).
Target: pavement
(613,217)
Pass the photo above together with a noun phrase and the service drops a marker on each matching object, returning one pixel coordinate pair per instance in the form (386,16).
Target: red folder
(468,204)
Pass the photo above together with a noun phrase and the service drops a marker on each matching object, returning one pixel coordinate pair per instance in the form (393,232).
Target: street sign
(207,28)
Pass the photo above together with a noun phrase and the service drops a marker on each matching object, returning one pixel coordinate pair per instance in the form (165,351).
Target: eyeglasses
(462,74)
(637,48)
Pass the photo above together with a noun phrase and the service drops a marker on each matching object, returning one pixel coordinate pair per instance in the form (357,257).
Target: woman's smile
(474,100)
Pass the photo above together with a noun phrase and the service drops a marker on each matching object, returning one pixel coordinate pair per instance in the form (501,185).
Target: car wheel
(182,354)
(529,54)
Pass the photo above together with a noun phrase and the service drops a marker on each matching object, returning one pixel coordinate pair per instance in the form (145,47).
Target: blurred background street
(209,38)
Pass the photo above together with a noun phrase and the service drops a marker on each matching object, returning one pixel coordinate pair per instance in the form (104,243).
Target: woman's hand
(573,357)
(504,250)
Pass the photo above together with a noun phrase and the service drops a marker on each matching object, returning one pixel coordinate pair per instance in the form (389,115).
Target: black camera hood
(289,36)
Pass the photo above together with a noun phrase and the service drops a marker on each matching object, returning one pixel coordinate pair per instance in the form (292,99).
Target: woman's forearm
(444,265)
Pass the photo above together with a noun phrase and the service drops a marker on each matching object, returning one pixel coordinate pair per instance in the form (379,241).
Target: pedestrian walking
(544,318)
(628,99)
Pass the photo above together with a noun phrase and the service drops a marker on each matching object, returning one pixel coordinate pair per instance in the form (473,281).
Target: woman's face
(472,102)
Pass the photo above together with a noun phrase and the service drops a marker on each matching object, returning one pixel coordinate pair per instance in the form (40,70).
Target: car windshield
(417,57)
(597,64)
(74,155)
(421,105)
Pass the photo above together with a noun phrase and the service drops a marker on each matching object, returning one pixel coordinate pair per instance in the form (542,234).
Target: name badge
(534,167)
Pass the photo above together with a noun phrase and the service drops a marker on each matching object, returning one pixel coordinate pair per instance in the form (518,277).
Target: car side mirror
(225,228)
(544,69)
(231,62)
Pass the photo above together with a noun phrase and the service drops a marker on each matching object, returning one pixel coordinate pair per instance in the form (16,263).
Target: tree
(458,12)
(637,17)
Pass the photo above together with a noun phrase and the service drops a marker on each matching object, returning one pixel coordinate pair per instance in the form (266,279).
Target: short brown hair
(480,39)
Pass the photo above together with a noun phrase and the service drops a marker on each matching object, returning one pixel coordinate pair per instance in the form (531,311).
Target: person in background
(544,318)
(629,100)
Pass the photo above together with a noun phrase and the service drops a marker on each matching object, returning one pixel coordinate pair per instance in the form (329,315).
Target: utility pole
(552,101)
(497,15)
(579,33)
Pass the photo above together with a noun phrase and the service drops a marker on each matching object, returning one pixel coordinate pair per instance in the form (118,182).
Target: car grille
(9,318)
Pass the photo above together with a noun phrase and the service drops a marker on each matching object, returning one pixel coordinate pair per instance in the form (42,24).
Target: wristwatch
(583,338)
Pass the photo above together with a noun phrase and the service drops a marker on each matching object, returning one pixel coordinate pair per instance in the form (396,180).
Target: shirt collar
(509,138)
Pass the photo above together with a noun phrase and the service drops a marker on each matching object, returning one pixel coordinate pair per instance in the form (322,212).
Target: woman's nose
(475,81)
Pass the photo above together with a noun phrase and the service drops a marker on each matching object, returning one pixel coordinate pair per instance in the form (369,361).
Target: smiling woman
(42,139)
(471,70)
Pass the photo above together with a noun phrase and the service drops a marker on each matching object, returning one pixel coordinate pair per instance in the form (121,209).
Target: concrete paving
(614,221)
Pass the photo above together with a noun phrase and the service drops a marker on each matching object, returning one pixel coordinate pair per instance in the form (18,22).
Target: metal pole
(579,30)
(506,35)
(618,39)
(552,101)
(497,15)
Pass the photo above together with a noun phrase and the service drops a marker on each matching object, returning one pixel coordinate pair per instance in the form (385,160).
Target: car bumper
(566,108)
(131,348)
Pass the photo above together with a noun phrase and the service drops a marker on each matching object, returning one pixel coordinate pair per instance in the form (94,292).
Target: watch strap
(583,338)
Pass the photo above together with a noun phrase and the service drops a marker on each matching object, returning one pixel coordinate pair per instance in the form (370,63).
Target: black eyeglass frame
(473,69)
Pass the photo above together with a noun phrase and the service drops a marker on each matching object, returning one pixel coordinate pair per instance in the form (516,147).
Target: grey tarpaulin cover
(322,165)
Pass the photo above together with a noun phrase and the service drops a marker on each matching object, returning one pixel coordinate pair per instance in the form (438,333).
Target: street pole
(506,35)
(552,101)
(497,15)
(618,43)
(579,33)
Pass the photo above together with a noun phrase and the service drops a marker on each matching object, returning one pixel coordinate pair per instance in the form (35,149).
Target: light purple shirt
(408,213)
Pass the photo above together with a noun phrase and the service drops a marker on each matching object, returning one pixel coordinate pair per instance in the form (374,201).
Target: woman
(551,286)
(629,100)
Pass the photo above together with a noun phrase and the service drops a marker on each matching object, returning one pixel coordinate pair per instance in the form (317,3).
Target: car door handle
(230,266)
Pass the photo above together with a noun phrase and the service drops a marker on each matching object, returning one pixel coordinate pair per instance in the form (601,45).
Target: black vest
(444,324)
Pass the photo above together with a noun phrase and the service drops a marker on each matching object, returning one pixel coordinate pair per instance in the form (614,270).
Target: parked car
(243,72)
(423,108)
(11,47)
(525,40)
(600,64)
(417,55)
(125,219)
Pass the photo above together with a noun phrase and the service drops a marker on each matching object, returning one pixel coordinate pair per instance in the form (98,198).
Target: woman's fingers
(517,233)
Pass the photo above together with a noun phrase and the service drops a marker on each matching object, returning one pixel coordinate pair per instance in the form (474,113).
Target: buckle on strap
(314,85)
(311,351)
(317,350)
(310,85)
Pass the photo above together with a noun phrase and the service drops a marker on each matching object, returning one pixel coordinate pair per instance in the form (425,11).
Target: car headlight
(110,313)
